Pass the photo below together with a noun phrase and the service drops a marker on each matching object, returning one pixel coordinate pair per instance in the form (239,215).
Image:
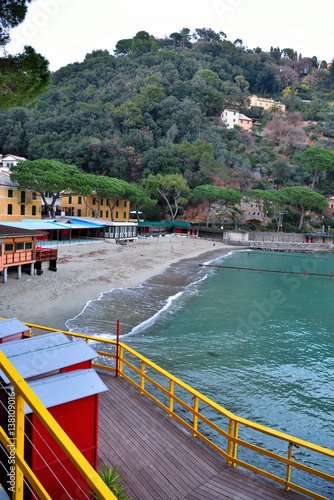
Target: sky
(64,31)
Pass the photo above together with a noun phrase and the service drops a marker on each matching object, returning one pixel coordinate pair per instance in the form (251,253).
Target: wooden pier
(162,460)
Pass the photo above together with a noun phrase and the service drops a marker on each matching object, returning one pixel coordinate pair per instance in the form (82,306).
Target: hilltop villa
(266,104)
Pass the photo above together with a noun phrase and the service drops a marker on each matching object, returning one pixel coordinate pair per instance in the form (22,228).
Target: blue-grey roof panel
(65,387)
(33,225)
(30,344)
(37,363)
(47,225)
(11,326)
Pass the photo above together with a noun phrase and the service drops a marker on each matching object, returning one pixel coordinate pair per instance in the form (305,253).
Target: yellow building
(74,205)
(266,104)
(17,204)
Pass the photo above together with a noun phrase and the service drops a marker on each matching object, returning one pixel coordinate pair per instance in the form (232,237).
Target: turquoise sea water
(259,344)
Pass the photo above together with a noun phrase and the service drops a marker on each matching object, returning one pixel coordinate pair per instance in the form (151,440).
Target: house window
(19,247)
(9,247)
(23,210)
(124,215)
(125,204)
(70,200)
(33,210)
(79,200)
(10,193)
(116,216)
(117,203)
(101,203)
(79,212)
(107,214)
(101,214)
(233,120)
(240,121)
(247,123)
(234,113)
(94,201)
(23,197)
(28,245)
(10,209)
(34,196)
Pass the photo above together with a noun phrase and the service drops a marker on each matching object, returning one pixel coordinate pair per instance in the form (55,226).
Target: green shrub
(114,481)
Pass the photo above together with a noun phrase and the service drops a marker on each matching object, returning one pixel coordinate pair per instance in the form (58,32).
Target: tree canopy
(224,198)
(23,76)
(316,160)
(305,199)
(50,176)
(173,188)
(12,13)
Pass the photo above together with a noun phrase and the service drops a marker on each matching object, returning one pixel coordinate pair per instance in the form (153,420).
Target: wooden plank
(162,460)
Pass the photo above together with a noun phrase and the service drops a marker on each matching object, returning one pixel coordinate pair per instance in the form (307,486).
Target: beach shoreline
(86,271)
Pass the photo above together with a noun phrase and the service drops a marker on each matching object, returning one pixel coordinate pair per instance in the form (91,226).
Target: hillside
(154,107)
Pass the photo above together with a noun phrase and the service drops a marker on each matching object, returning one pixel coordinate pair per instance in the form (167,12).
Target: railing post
(120,360)
(171,400)
(195,420)
(288,469)
(230,442)
(142,378)
(19,443)
(235,445)
(117,349)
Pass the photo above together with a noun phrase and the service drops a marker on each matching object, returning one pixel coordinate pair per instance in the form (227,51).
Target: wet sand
(87,270)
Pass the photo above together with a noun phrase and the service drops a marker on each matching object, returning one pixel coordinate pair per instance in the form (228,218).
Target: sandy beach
(87,270)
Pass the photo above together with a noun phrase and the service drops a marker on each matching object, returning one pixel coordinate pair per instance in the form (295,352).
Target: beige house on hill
(266,104)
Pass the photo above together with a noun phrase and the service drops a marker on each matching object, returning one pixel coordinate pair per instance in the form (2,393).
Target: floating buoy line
(303,273)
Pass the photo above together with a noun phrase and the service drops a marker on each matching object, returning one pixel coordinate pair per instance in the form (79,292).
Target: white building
(231,118)
(8,161)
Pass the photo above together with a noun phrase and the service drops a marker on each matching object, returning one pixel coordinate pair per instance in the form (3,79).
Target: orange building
(245,122)
(17,249)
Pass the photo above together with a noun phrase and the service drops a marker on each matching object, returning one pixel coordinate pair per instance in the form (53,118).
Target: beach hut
(12,329)
(33,343)
(50,360)
(59,372)
(38,357)
(72,399)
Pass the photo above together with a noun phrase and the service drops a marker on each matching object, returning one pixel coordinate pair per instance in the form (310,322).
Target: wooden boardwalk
(162,460)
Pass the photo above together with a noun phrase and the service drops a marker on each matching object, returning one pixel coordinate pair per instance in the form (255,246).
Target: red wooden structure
(72,399)
(59,372)
(12,329)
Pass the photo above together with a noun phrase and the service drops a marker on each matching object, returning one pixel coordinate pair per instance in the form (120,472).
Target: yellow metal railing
(19,469)
(233,441)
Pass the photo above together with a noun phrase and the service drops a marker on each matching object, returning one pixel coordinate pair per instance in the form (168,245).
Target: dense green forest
(154,108)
